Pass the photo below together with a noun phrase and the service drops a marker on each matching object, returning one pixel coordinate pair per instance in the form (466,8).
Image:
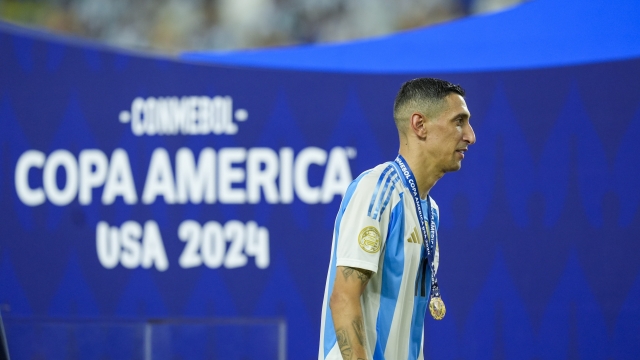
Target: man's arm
(347,312)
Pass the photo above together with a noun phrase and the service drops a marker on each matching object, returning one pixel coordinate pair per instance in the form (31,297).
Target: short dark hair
(427,92)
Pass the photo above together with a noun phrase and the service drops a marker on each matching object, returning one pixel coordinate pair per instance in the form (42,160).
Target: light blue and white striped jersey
(377,229)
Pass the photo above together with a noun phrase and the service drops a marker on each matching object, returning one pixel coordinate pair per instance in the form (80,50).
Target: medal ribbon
(428,241)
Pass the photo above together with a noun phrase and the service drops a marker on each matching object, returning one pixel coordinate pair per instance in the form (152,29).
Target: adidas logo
(415,237)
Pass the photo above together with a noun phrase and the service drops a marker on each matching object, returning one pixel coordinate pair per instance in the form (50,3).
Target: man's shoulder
(377,187)
(370,179)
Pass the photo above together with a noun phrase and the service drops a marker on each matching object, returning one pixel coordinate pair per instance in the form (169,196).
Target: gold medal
(437,308)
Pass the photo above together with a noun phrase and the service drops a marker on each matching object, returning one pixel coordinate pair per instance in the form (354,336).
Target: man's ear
(417,125)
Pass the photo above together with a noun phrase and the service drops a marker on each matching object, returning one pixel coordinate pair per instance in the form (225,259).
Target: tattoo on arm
(347,344)
(344,344)
(363,275)
(347,271)
(358,327)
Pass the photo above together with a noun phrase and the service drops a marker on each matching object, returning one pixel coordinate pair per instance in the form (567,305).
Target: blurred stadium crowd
(174,25)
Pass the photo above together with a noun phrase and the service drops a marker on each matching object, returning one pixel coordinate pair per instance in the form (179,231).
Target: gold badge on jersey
(369,239)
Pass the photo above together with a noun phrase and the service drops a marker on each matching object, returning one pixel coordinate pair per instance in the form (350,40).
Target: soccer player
(382,274)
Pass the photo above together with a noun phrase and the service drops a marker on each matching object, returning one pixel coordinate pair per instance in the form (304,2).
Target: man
(382,274)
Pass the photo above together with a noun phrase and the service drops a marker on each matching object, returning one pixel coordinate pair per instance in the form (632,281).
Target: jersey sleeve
(362,230)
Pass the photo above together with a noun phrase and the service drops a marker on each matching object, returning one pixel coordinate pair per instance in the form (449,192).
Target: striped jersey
(377,229)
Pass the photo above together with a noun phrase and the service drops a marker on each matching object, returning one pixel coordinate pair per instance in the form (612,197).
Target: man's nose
(469,135)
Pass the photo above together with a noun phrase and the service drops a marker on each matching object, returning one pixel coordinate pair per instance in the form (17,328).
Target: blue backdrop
(107,156)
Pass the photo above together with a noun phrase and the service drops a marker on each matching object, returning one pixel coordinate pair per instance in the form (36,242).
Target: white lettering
(189,232)
(214,245)
(190,105)
(228,175)
(149,118)
(258,244)
(234,232)
(90,178)
(153,252)
(122,245)
(107,245)
(190,115)
(258,177)
(337,175)
(308,156)
(119,180)
(221,109)
(159,179)
(208,244)
(66,160)
(130,233)
(286,178)
(26,194)
(137,111)
(195,182)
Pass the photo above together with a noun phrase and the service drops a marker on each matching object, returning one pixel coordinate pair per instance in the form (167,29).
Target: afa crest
(370,239)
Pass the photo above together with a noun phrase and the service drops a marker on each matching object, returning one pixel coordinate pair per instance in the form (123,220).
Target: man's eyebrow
(463,115)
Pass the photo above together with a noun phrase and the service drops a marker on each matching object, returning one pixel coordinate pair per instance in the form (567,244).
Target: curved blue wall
(537,34)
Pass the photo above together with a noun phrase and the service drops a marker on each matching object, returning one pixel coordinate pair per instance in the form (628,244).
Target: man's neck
(424,172)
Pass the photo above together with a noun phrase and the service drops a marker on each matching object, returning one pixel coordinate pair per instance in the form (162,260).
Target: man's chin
(457,166)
